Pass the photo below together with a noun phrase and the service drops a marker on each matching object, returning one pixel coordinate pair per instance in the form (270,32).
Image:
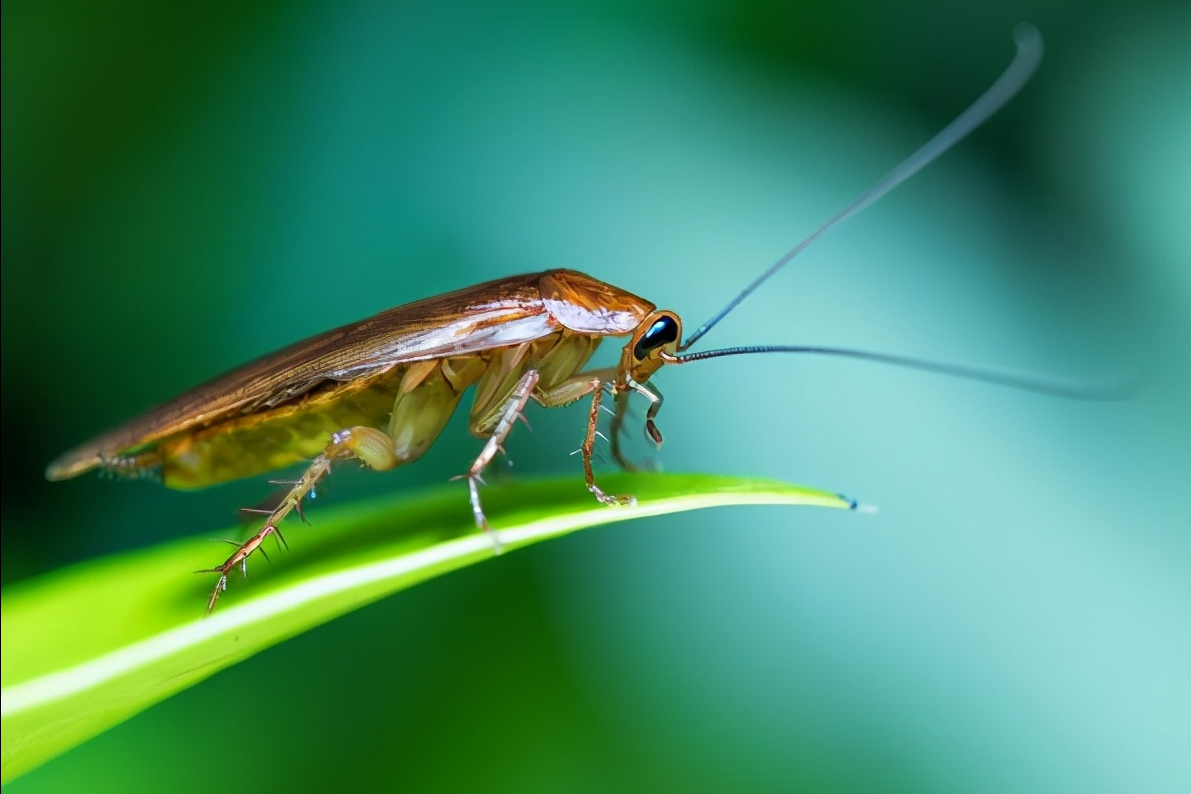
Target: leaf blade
(74,666)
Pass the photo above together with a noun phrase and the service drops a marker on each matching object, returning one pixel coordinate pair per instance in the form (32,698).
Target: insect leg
(654,395)
(617,428)
(569,391)
(593,418)
(368,444)
(504,425)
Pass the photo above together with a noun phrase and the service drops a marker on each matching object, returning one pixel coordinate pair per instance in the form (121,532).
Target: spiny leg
(509,415)
(575,389)
(369,444)
(593,419)
(239,558)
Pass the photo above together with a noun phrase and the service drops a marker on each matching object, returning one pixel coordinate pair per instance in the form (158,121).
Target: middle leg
(508,416)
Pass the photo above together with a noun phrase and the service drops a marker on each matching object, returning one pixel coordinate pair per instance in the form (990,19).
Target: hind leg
(427,398)
(368,444)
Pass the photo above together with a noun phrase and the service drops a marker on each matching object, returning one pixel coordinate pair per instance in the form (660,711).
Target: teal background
(185,186)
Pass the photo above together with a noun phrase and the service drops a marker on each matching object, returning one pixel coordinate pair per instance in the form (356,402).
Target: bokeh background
(187,185)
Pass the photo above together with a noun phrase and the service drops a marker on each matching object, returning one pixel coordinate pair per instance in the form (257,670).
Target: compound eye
(663,331)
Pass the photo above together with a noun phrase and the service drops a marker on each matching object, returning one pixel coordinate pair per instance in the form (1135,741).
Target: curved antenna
(1017,74)
(1109,388)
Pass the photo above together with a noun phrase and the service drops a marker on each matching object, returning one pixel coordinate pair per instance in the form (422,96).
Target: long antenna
(1108,388)
(1017,74)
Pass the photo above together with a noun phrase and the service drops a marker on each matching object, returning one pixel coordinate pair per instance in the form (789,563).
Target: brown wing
(498,313)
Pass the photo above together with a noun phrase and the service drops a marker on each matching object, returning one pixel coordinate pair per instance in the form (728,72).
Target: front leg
(654,395)
(568,392)
(649,392)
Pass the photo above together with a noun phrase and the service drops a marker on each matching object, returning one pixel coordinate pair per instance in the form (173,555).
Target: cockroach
(381,390)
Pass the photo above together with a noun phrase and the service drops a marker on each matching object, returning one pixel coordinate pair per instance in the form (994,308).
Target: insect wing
(495,314)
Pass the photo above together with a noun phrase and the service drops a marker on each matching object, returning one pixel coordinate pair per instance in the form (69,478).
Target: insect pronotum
(380,390)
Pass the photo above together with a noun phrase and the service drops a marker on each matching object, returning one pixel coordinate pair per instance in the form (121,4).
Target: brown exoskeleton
(382,389)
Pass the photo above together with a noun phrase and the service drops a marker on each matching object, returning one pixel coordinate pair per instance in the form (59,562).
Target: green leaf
(89,646)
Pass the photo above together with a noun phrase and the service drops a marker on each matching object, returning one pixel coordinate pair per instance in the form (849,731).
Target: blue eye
(663,331)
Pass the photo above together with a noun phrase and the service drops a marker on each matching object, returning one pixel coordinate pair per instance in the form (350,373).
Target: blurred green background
(188,185)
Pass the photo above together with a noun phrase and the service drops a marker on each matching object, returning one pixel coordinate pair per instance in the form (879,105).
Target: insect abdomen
(412,402)
(263,442)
